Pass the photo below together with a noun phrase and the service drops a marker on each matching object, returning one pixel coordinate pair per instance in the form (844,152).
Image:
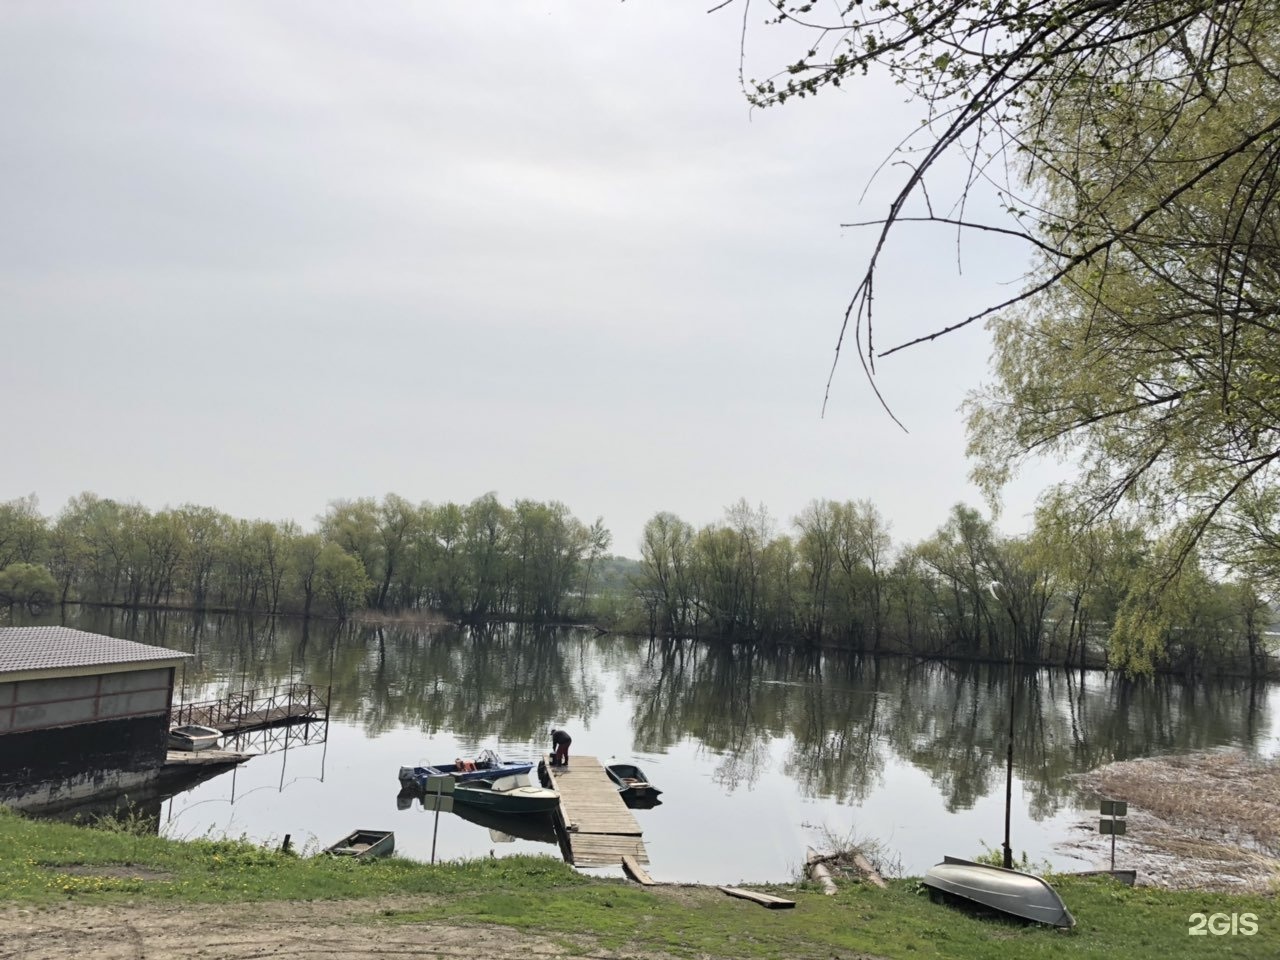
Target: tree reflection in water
(843,718)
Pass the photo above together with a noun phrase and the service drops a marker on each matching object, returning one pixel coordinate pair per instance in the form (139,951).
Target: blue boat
(487,766)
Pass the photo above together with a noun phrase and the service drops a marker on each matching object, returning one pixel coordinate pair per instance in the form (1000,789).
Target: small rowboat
(1008,891)
(364,844)
(192,736)
(631,781)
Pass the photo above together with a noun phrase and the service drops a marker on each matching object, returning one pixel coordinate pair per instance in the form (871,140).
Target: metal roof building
(34,652)
(80,714)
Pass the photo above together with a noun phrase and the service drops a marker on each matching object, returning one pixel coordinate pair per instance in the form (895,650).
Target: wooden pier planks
(204,758)
(599,827)
(255,719)
(605,850)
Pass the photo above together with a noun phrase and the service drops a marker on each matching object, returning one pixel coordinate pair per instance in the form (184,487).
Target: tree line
(835,579)
(529,561)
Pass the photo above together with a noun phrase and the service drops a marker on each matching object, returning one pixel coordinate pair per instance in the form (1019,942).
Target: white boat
(509,795)
(192,736)
(1008,891)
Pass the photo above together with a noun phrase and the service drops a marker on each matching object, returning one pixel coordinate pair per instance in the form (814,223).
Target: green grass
(1113,922)
(43,863)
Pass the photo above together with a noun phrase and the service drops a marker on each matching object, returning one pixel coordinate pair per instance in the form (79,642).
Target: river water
(758,754)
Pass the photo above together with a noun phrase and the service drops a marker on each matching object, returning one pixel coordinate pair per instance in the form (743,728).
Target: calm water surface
(759,754)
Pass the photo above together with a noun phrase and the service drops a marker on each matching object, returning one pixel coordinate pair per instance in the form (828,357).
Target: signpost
(439,790)
(1001,593)
(1113,822)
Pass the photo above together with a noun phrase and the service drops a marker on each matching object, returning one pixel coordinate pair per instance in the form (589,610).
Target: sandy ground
(315,930)
(1207,821)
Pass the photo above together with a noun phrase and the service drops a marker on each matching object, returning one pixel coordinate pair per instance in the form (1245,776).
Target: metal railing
(255,709)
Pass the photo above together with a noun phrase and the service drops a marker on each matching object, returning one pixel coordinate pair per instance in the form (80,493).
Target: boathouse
(81,714)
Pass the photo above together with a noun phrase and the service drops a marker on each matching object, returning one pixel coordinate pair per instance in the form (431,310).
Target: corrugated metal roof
(54,648)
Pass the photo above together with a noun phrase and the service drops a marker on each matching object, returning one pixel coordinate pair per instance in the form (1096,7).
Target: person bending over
(560,748)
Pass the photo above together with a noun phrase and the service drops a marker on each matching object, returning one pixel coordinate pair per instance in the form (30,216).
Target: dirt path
(1207,821)
(325,930)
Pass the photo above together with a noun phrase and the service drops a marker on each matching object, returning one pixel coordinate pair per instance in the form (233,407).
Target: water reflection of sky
(759,754)
(727,815)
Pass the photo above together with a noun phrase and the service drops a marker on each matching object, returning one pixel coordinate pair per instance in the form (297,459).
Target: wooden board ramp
(755,896)
(596,827)
(636,872)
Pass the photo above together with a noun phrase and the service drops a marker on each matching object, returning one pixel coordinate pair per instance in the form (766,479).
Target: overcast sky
(260,256)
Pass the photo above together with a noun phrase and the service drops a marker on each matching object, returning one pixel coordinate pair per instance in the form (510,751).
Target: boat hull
(1006,891)
(512,800)
(364,845)
(417,776)
(194,737)
(631,782)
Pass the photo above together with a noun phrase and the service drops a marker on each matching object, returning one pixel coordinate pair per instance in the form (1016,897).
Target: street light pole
(999,591)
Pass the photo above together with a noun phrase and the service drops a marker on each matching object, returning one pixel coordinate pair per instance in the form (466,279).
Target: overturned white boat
(1012,892)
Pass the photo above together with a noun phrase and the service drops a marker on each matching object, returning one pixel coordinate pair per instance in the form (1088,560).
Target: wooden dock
(256,709)
(204,758)
(257,719)
(597,828)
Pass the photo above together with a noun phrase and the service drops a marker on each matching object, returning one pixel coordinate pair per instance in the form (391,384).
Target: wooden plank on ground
(637,873)
(764,899)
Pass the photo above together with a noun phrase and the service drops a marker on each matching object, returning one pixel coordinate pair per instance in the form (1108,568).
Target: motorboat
(507,794)
(192,736)
(486,766)
(1010,892)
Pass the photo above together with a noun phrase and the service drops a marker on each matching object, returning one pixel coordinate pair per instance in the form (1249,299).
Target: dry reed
(1206,819)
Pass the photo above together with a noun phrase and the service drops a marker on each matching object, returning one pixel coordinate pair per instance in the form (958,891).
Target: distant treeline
(530,561)
(835,580)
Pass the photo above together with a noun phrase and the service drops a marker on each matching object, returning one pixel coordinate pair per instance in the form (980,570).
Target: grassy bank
(42,864)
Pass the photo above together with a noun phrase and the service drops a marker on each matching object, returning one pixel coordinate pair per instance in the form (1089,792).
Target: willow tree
(990,73)
(1154,357)
(1133,145)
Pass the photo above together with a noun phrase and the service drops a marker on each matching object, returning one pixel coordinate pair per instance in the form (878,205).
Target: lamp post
(1001,593)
